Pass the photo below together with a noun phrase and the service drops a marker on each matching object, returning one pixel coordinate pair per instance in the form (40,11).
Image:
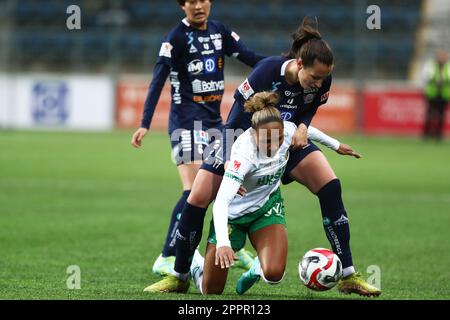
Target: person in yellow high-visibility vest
(437,94)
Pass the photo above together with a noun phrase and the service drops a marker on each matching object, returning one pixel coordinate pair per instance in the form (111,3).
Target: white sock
(348,271)
(256,267)
(197,277)
(197,270)
(199,258)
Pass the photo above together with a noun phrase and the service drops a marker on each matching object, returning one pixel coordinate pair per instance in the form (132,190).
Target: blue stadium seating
(265,27)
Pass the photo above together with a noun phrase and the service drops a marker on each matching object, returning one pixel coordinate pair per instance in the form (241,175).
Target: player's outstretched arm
(324,139)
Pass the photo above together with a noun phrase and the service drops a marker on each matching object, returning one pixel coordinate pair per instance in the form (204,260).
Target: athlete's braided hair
(308,45)
(263,105)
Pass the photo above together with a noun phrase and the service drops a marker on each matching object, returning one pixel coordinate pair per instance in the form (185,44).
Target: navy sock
(188,236)
(335,221)
(169,246)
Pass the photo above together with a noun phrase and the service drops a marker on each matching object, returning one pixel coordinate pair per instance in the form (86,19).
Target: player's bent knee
(273,275)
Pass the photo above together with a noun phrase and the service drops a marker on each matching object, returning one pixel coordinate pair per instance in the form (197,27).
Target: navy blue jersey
(296,104)
(194,59)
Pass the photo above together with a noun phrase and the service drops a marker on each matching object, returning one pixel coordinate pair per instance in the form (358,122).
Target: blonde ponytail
(263,106)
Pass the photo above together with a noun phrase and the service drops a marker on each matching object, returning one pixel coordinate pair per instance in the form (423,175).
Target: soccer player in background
(302,78)
(193,55)
(258,159)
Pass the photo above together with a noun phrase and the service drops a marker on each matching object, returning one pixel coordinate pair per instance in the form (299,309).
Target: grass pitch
(91,200)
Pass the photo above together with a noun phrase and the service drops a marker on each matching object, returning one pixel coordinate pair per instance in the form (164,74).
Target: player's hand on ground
(136,140)
(225,257)
(347,150)
(300,138)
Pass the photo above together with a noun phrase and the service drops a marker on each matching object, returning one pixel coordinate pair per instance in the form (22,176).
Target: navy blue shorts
(192,145)
(215,164)
(294,159)
(214,161)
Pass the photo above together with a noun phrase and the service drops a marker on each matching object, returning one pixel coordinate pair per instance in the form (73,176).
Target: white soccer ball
(320,269)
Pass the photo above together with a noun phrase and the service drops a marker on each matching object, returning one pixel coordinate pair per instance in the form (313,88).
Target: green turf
(92,200)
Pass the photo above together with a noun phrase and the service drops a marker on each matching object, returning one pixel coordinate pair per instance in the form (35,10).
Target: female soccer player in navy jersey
(302,78)
(193,55)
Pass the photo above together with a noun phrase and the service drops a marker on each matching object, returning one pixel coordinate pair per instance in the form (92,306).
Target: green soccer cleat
(163,266)
(245,259)
(355,284)
(249,278)
(170,283)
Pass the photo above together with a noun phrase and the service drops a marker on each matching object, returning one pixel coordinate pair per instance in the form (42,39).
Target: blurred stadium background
(73,191)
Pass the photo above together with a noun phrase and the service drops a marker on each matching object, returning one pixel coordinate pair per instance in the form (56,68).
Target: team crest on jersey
(246,89)
(166,50)
(309,98)
(325,96)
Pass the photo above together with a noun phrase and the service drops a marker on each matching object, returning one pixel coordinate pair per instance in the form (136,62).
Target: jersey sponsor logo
(215,36)
(193,49)
(207,48)
(271,178)
(176,97)
(236,165)
(235,36)
(286,116)
(195,66)
(205,86)
(210,65)
(190,36)
(275,86)
(277,210)
(289,105)
(325,96)
(310,90)
(217,44)
(203,39)
(292,94)
(208,99)
(309,98)
(246,89)
(207,52)
(166,50)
